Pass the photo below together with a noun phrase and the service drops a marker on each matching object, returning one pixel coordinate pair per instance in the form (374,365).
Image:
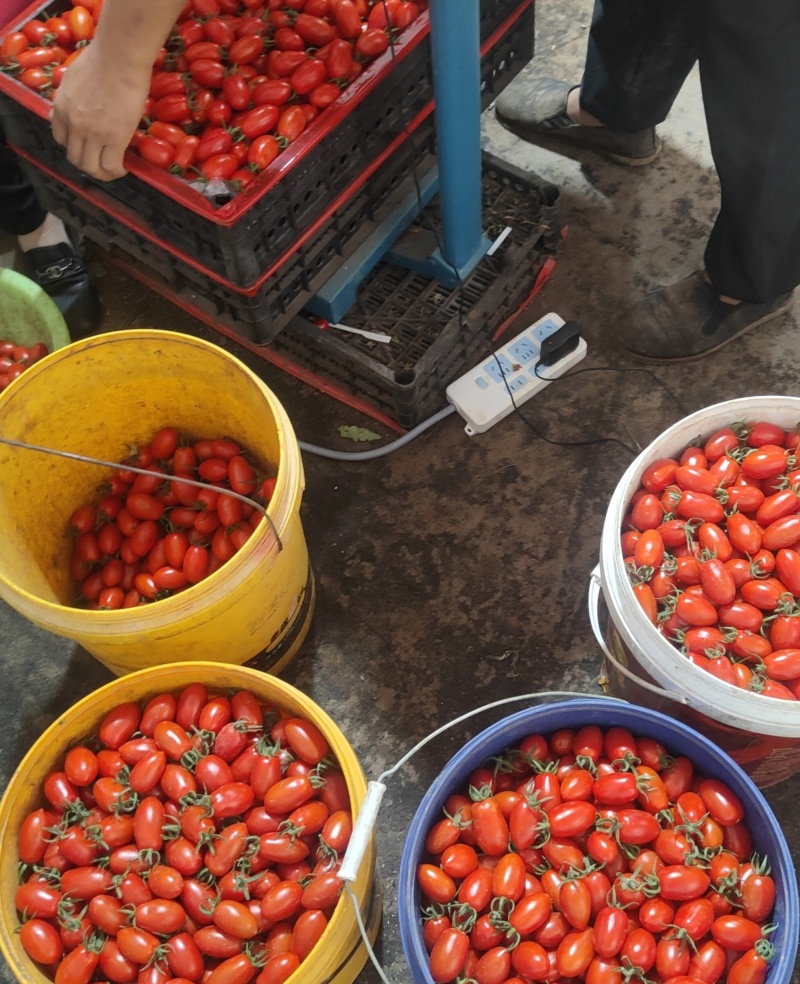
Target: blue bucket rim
(541,718)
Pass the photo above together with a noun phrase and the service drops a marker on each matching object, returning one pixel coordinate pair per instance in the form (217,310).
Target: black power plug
(558,345)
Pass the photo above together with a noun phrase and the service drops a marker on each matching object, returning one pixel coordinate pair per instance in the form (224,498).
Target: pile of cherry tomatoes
(15,359)
(711,542)
(149,538)
(236,82)
(593,855)
(196,838)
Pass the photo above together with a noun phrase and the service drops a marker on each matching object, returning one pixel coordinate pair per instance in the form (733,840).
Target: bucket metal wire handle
(595,586)
(367,818)
(144,471)
(368,815)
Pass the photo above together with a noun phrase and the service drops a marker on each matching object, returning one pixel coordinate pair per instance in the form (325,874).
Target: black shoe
(60,272)
(536,110)
(688,320)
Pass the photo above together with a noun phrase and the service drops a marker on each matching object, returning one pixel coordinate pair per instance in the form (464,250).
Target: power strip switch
(521,367)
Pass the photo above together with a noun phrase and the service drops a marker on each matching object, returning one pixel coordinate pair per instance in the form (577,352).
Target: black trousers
(639,54)
(20,211)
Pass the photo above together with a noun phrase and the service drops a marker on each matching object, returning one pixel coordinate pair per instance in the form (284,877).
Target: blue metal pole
(456,57)
(455,48)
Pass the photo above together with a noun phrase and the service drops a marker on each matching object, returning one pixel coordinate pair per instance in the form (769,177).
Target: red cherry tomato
(736,932)
(490,827)
(12,46)
(196,564)
(41,941)
(721,802)
(291,123)
(448,956)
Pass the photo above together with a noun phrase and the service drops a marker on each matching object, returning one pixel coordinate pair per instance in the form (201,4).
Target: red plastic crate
(9,9)
(438,333)
(242,238)
(258,312)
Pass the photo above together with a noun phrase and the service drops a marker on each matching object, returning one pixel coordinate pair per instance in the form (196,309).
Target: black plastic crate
(437,333)
(244,237)
(260,314)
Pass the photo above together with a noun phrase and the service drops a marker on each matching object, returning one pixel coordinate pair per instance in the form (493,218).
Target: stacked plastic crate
(252,261)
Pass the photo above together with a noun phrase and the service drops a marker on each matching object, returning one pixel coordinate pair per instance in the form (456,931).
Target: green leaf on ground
(358,434)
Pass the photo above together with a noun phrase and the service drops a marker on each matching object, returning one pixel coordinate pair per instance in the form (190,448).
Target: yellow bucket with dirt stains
(339,955)
(98,396)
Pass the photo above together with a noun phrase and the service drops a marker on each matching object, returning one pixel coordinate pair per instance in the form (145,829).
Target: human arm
(101,98)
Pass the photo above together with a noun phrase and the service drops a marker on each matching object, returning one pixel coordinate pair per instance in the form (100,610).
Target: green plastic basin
(28,315)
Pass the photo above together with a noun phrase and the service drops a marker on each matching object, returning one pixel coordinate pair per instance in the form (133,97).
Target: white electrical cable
(479,710)
(364,936)
(354,861)
(386,449)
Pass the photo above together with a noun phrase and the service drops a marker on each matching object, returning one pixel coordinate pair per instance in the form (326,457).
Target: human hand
(96,111)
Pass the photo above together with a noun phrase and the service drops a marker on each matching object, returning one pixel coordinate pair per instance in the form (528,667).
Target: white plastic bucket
(761,734)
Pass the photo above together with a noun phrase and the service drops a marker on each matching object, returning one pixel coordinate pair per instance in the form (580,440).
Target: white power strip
(481,395)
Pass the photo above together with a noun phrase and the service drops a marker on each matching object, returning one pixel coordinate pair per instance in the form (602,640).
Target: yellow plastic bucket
(97,397)
(340,953)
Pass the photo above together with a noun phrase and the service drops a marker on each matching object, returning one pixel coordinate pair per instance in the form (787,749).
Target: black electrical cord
(580,372)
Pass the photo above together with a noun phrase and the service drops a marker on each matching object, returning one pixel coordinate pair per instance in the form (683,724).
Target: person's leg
(20,211)
(751,87)
(49,257)
(751,90)
(638,56)
(21,215)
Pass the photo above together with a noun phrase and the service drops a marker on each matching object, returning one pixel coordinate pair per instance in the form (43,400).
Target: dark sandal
(536,110)
(688,320)
(60,271)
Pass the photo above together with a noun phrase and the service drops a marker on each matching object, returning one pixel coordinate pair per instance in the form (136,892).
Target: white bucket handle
(594,619)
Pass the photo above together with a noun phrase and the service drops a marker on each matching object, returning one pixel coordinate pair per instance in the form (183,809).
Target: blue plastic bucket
(676,737)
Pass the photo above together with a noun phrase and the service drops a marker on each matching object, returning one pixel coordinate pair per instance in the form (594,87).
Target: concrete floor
(455,571)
